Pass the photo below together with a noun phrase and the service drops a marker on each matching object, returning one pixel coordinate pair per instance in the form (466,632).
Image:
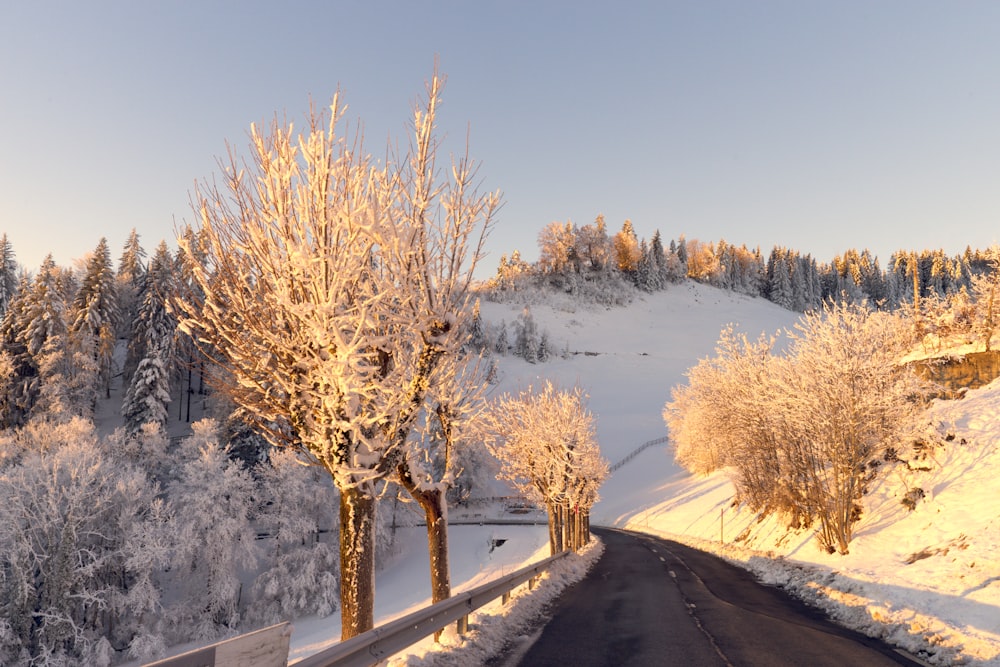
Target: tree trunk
(432,501)
(555,529)
(357,562)
(567,526)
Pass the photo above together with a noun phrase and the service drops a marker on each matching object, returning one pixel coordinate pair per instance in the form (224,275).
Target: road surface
(656,602)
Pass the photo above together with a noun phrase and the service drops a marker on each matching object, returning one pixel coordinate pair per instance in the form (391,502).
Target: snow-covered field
(927,580)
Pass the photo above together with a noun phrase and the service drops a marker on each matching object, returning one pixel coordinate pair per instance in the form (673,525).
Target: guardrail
(379,643)
(262,648)
(269,647)
(638,450)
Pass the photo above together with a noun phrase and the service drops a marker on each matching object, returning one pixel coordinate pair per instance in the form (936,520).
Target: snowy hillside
(927,580)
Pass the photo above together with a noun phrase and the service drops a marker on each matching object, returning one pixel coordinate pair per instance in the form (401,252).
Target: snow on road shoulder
(926,580)
(495,626)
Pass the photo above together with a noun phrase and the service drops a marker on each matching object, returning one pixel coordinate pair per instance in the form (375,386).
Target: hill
(926,579)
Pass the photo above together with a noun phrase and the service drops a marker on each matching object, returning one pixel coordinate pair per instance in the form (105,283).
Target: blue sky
(815,125)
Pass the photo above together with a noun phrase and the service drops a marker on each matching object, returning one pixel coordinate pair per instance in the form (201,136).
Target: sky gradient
(819,126)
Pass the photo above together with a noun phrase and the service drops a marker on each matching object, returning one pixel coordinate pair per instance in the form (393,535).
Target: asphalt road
(656,602)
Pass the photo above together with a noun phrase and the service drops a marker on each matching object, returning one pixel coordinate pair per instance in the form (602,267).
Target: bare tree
(801,433)
(333,287)
(547,448)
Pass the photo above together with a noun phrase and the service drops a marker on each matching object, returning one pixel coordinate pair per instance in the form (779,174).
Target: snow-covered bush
(803,433)
(300,564)
(211,504)
(74,551)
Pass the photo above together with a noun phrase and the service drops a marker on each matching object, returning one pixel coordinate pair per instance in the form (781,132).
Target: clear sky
(819,126)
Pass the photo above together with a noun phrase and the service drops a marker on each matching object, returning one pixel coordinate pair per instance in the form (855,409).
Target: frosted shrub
(211,503)
(801,434)
(300,572)
(75,564)
(300,582)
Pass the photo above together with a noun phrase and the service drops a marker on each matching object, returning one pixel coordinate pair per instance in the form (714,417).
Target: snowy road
(655,602)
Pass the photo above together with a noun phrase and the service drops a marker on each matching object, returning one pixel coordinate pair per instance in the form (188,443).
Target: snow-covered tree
(432,462)
(547,448)
(646,277)
(129,281)
(986,290)
(148,394)
(500,344)
(333,286)
(189,369)
(479,338)
(802,433)
(779,278)
(626,249)
(593,246)
(61,383)
(299,575)
(716,413)
(8,274)
(701,260)
(851,399)
(557,248)
(20,385)
(659,260)
(94,316)
(75,549)
(152,343)
(211,502)
(526,336)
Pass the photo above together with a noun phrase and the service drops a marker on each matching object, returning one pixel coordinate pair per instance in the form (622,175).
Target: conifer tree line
(59,329)
(593,263)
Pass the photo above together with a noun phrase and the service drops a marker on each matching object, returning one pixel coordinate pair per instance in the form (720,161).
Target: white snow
(943,605)
(927,580)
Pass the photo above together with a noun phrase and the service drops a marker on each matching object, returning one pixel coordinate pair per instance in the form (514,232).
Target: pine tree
(129,282)
(478,338)
(95,315)
(779,279)
(8,274)
(153,325)
(526,340)
(20,383)
(544,347)
(500,344)
(56,385)
(649,273)
(659,260)
(682,252)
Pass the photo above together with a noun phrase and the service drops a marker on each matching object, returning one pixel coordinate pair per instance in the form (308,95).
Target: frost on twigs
(328,287)
(546,444)
(802,434)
